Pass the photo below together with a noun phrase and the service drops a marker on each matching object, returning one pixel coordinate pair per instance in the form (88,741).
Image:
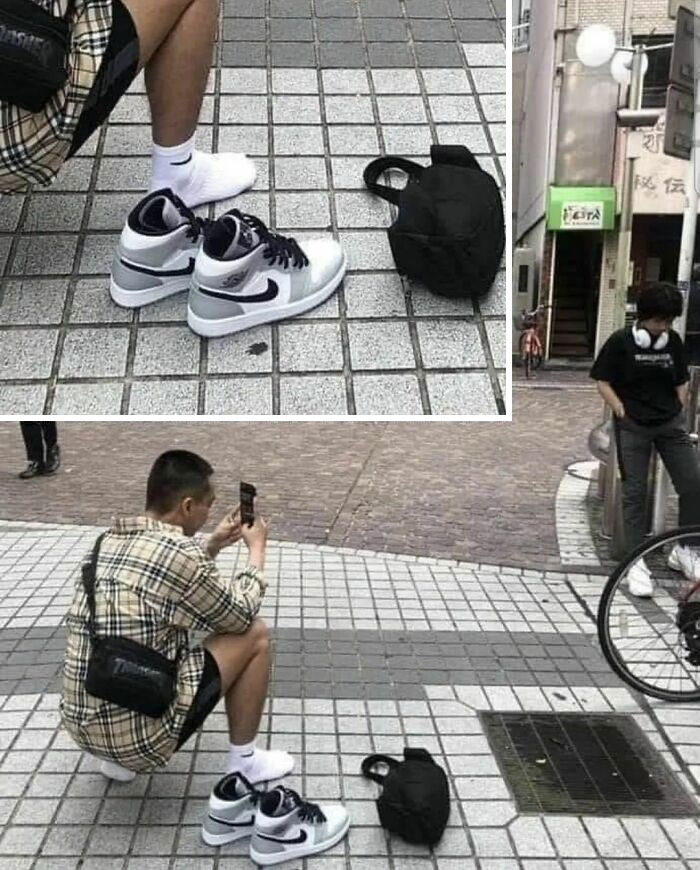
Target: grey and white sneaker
(245,275)
(157,250)
(231,812)
(287,827)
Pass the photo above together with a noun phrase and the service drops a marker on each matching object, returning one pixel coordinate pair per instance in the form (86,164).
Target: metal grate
(581,763)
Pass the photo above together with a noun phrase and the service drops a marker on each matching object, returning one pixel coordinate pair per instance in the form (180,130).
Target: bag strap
(89,576)
(417,754)
(374,169)
(455,155)
(370,762)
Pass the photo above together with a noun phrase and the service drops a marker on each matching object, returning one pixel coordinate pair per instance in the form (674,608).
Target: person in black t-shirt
(642,374)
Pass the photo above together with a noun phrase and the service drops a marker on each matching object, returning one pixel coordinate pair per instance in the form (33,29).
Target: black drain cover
(582,763)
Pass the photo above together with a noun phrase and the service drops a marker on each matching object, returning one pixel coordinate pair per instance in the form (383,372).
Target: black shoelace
(198,225)
(308,812)
(277,247)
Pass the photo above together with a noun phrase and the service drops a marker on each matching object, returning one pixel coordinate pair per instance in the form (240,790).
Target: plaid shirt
(34,145)
(154,585)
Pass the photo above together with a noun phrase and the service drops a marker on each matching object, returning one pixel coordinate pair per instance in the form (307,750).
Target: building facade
(568,163)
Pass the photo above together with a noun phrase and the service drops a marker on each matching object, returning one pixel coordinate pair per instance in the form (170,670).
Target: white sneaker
(244,276)
(231,812)
(685,559)
(156,251)
(639,580)
(112,770)
(287,827)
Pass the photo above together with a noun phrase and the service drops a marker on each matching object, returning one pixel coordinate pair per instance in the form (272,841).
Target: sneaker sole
(138,298)
(222,839)
(229,325)
(290,854)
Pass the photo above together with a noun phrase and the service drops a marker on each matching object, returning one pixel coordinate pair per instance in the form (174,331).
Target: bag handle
(370,762)
(89,570)
(455,155)
(374,169)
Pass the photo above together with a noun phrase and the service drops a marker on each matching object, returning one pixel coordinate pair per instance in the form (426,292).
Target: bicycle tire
(537,360)
(607,645)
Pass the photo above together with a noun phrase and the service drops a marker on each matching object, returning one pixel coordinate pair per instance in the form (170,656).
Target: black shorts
(117,71)
(207,697)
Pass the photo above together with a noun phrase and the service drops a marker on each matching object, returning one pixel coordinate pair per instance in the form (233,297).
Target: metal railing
(521,37)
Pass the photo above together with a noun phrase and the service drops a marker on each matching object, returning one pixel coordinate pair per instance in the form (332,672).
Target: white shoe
(287,827)
(245,275)
(115,771)
(231,811)
(156,251)
(639,580)
(685,559)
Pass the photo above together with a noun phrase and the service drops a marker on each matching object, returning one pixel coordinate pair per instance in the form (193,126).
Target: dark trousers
(681,460)
(35,433)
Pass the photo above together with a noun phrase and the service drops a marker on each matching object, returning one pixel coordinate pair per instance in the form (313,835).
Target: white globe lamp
(595,45)
(621,67)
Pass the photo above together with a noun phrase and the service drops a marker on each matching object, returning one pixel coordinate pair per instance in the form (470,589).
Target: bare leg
(176,41)
(244,666)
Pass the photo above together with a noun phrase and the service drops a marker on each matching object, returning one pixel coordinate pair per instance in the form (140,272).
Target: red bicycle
(530,343)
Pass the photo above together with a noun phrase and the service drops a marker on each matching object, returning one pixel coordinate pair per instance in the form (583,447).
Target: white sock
(197,177)
(259,765)
(113,770)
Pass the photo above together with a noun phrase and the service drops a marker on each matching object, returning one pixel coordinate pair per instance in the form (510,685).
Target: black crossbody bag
(121,670)
(33,53)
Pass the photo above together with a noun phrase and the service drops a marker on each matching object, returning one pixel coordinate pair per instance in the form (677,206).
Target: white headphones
(644,339)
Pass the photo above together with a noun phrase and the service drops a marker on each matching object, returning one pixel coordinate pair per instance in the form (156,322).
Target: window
(656,78)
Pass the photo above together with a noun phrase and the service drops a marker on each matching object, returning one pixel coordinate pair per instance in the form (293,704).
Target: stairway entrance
(575,298)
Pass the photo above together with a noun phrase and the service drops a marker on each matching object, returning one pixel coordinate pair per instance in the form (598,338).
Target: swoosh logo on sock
(266,296)
(159,273)
(302,838)
(180,162)
(232,824)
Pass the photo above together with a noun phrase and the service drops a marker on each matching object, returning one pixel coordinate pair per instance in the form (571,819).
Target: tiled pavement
(312,89)
(425,645)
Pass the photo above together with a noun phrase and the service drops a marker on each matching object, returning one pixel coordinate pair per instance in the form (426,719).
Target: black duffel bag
(33,53)
(449,233)
(415,798)
(123,671)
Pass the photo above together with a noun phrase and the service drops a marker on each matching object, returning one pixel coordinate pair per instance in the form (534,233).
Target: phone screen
(248,493)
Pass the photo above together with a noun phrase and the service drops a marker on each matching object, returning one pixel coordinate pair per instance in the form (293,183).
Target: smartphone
(248,493)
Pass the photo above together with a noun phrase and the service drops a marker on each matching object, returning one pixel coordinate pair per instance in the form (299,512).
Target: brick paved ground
(312,89)
(482,491)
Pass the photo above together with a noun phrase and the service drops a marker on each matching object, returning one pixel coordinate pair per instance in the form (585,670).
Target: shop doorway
(575,296)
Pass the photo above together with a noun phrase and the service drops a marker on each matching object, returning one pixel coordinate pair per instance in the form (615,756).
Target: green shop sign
(581,208)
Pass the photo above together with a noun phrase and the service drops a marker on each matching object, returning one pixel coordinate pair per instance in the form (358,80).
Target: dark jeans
(32,433)
(681,460)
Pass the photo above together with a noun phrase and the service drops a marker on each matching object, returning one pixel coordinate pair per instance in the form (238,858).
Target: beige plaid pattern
(34,145)
(154,585)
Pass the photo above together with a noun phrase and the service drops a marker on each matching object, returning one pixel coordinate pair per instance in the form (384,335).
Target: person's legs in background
(680,457)
(175,49)
(635,454)
(53,452)
(33,444)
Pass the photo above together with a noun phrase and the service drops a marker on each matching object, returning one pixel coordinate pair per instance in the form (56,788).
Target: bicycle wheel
(653,643)
(537,359)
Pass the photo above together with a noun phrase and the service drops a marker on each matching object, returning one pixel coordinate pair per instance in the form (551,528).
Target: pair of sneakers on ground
(681,558)
(238,273)
(282,826)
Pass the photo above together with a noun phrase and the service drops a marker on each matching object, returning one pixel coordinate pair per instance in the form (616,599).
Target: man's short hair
(175,475)
(660,299)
